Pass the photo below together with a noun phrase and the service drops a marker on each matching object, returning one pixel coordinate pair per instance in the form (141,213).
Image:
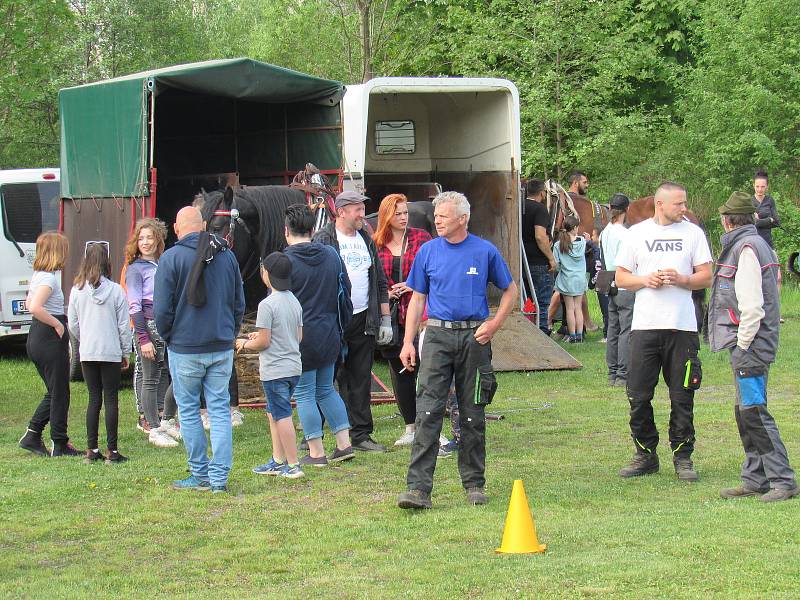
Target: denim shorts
(279,394)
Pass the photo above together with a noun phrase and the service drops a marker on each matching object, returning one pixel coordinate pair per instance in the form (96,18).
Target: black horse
(251,219)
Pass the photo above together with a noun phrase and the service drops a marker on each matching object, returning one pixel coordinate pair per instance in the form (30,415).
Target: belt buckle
(459,324)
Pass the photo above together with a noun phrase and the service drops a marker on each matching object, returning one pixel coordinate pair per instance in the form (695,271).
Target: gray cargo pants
(766,464)
(620,317)
(447,353)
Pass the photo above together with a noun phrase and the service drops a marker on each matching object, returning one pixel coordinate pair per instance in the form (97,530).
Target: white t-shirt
(55,303)
(650,247)
(357,260)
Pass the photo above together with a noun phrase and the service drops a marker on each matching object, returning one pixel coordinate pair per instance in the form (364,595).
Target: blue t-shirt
(454,277)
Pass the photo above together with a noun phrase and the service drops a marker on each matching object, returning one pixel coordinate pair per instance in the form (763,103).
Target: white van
(29,204)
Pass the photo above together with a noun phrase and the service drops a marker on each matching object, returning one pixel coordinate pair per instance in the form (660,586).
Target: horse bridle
(235,219)
(229,237)
(559,205)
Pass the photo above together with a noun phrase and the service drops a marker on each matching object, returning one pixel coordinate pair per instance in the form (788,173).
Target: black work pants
(405,390)
(663,351)
(355,378)
(447,353)
(50,354)
(102,381)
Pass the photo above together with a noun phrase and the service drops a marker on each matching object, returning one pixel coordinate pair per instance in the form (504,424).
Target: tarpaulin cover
(104,145)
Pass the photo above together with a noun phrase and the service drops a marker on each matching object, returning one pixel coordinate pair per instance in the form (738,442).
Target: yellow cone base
(519,535)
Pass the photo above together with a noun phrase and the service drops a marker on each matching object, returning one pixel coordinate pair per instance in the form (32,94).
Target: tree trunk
(364,9)
(558,99)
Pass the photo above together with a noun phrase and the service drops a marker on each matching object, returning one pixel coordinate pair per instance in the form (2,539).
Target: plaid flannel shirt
(414,240)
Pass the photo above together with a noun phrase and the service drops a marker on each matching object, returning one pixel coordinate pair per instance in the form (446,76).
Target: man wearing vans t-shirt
(662,260)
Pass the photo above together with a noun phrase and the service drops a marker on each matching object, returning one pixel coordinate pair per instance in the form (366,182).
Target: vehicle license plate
(19,307)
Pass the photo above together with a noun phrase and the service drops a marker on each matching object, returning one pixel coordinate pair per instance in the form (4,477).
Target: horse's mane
(269,202)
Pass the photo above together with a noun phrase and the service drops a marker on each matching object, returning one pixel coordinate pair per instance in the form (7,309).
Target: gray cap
(349,197)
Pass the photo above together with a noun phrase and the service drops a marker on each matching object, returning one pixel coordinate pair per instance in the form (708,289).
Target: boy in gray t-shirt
(280,329)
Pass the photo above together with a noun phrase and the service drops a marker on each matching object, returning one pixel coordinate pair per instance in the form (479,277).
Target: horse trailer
(420,135)
(29,205)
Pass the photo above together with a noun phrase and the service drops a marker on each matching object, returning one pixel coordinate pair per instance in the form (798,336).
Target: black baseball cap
(279,268)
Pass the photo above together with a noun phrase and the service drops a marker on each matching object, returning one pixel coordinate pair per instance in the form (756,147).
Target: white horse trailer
(29,204)
(420,135)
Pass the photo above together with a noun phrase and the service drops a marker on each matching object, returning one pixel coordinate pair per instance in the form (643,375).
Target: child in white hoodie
(98,318)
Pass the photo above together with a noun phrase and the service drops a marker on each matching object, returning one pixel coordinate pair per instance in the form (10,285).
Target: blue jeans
(543,285)
(210,373)
(315,388)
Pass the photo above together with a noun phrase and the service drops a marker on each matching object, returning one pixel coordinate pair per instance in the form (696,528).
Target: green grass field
(69,530)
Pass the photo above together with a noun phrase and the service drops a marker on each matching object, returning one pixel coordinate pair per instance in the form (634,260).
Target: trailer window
(29,209)
(394,137)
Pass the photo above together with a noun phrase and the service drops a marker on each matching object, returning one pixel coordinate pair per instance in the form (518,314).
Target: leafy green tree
(31,52)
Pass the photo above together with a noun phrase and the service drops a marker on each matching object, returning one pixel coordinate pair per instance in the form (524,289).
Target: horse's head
(225,218)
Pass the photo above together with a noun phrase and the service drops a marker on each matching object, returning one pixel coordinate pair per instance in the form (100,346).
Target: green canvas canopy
(104,125)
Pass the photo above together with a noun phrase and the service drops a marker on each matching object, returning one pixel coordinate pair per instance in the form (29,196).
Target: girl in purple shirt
(151,374)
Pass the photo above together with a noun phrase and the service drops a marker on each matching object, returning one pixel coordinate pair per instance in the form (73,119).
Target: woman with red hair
(398,244)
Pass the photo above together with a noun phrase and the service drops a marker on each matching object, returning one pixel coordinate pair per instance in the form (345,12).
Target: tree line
(705,92)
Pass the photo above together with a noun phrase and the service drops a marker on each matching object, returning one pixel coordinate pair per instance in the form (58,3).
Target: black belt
(454,324)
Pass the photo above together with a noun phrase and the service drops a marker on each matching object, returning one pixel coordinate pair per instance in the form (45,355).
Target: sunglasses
(96,242)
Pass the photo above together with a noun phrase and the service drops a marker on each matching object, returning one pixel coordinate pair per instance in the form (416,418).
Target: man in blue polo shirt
(450,274)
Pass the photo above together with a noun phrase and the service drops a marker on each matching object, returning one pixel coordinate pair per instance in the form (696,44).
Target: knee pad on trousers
(757,436)
(639,399)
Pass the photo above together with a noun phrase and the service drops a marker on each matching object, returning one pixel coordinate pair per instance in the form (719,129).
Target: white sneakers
(237,418)
(406,439)
(159,438)
(171,428)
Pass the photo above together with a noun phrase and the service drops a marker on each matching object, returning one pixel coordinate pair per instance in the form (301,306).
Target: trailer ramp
(521,346)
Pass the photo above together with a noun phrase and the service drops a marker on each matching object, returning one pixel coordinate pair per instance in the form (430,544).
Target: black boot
(66,449)
(32,442)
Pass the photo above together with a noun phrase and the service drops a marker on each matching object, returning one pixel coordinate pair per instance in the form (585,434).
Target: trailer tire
(75,372)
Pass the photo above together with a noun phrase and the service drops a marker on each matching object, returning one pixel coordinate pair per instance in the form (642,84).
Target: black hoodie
(315,284)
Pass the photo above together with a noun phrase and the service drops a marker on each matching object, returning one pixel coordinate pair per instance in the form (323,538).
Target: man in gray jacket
(744,317)
(371,320)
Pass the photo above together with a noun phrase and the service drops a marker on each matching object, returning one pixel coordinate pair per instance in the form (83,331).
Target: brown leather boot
(643,463)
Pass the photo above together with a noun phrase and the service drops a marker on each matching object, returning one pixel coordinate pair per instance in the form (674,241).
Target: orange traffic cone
(519,536)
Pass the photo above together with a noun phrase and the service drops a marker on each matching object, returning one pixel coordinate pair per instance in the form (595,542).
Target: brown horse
(644,208)
(592,217)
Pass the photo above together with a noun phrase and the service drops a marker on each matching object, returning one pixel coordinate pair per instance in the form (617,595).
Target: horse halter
(235,219)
